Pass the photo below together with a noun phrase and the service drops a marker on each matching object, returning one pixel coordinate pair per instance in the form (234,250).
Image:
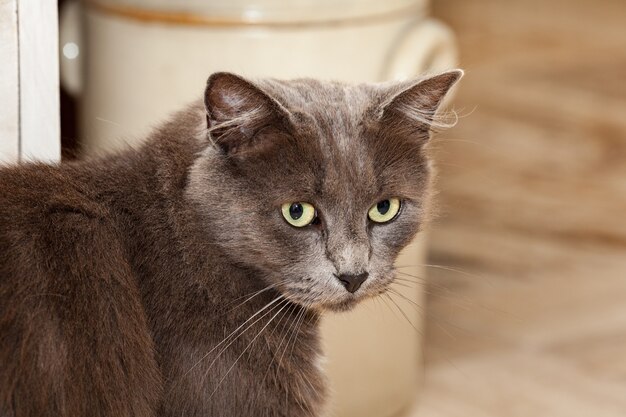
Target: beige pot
(139,60)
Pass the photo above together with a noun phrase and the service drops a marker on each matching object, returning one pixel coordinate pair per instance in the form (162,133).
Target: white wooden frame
(29,81)
(9,92)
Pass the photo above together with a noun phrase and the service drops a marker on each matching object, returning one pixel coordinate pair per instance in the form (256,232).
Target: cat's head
(317,185)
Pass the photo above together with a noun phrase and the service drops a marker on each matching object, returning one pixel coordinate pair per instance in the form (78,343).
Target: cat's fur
(122,278)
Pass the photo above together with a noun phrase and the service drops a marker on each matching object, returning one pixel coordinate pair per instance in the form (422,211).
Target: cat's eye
(298,214)
(384,210)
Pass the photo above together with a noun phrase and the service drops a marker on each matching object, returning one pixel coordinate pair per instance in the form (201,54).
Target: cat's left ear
(237,110)
(411,108)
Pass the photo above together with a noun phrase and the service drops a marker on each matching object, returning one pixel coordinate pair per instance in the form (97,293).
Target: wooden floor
(533,202)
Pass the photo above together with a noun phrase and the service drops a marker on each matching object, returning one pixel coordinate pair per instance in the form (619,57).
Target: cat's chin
(341,306)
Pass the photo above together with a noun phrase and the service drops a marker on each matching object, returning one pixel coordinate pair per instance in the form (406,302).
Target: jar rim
(262,12)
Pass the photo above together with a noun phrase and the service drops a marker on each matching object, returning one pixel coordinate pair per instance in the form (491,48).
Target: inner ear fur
(237,110)
(412,108)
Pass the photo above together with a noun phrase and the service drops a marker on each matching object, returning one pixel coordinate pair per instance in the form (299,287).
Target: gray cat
(169,280)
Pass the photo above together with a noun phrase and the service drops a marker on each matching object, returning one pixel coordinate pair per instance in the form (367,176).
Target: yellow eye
(298,214)
(384,210)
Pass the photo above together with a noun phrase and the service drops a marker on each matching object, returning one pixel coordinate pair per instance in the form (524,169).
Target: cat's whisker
(234,339)
(413,278)
(388,306)
(445,268)
(111,122)
(461,301)
(285,333)
(404,315)
(402,284)
(292,330)
(250,297)
(451,269)
(406,281)
(437,319)
(297,332)
(231,335)
(418,277)
(417,280)
(421,281)
(418,286)
(275,351)
(284,304)
(407,299)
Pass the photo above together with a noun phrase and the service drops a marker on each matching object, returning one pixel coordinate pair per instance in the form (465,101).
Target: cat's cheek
(389,239)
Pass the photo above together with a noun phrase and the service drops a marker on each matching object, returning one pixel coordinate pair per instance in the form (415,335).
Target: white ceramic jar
(139,60)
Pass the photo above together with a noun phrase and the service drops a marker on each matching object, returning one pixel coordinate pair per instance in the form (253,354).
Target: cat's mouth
(344,302)
(332,302)
(335,298)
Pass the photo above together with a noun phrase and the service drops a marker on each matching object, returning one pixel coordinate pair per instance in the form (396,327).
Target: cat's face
(318,186)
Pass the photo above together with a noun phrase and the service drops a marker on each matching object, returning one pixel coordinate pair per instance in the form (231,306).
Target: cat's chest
(250,367)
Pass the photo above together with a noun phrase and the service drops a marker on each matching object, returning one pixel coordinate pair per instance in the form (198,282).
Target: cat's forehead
(341,142)
(335,113)
(325,100)
(308,92)
(333,110)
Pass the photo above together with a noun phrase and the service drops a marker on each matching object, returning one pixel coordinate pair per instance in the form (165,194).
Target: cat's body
(148,283)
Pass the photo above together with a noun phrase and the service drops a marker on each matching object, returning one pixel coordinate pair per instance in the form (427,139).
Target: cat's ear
(412,108)
(237,110)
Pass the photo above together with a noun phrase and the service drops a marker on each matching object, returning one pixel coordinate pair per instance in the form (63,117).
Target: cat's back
(30,193)
(36,202)
(68,301)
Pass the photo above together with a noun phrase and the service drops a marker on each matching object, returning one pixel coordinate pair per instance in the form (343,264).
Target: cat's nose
(352,282)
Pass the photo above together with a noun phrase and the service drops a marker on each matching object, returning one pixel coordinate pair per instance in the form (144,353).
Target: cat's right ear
(237,110)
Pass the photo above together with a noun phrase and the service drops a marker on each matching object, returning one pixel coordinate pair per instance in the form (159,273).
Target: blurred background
(532,193)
